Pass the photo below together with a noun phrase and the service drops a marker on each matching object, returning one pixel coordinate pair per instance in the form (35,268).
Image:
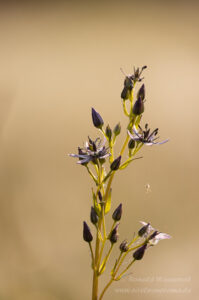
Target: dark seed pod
(87,236)
(108,132)
(124,246)
(141,92)
(93,216)
(116,164)
(117,129)
(138,107)
(131,144)
(97,119)
(114,235)
(117,214)
(139,253)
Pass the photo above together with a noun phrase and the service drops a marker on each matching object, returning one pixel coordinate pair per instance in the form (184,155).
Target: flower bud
(153,235)
(108,132)
(93,216)
(114,235)
(138,107)
(117,214)
(139,253)
(141,92)
(124,246)
(87,236)
(100,196)
(116,164)
(97,119)
(117,129)
(128,83)
(143,230)
(131,144)
(125,93)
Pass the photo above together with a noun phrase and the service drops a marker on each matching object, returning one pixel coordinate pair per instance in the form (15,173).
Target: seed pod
(124,246)
(87,236)
(131,144)
(138,107)
(114,235)
(116,164)
(141,92)
(108,132)
(117,214)
(139,253)
(97,119)
(117,129)
(93,216)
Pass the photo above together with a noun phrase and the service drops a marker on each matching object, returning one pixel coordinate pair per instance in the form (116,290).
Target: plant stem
(124,145)
(119,277)
(106,287)
(95,271)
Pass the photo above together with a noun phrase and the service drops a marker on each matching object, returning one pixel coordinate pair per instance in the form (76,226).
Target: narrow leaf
(108,203)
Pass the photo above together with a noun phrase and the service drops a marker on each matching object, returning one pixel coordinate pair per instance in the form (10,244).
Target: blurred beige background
(57,60)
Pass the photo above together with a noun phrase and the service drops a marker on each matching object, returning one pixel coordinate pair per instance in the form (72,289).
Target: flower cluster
(99,159)
(93,151)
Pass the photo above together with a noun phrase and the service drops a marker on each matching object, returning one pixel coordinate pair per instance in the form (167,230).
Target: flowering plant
(95,157)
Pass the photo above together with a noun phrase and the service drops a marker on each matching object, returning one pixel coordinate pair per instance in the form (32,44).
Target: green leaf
(96,205)
(108,203)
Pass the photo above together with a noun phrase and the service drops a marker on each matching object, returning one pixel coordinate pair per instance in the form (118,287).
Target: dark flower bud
(153,235)
(114,235)
(87,236)
(108,132)
(116,164)
(125,93)
(117,214)
(141,92)
(117,129)
(139,253)
(128,83)
(93,216)
(143,230)
(131,144)
(138,107)
(100,196)
(97,119)
(124,246)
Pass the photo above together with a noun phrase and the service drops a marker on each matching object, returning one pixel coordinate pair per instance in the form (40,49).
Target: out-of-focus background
(57,60)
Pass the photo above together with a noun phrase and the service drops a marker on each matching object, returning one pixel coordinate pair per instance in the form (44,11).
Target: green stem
(95,271)
(92,255)
(105,260)
(106,287)
(91,174)
(124,108)
(119,277)
(124,145)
